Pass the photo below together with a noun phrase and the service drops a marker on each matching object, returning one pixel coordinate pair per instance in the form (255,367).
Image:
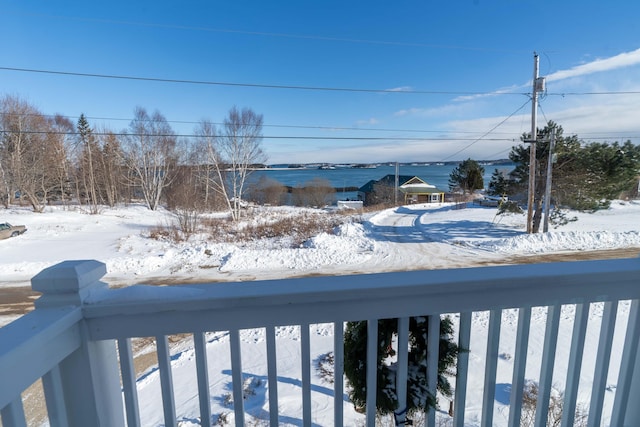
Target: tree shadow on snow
(466,230)
(257,399)
(503,393)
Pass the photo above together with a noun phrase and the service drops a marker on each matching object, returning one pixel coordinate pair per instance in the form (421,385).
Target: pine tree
(498,185)
(88,162)
(467,176)
(418,396)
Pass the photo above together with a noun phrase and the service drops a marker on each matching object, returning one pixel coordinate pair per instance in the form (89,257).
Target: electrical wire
(254,85)
(296,137)
(279,35)
(308,88)
(284,126)
(488,132)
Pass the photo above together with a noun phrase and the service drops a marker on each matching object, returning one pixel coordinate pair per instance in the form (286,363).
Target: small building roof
(417,186)
(388,180)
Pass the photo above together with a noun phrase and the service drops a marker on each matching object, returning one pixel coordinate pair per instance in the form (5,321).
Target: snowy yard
(411,237)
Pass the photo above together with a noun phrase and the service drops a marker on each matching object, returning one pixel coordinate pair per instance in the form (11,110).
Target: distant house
(416,190)
(411,189)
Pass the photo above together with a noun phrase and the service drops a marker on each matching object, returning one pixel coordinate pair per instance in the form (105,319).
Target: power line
(296,137)
(254,85)
(309,88)
(487,133)
(279,35)
(285,126)
(564,94)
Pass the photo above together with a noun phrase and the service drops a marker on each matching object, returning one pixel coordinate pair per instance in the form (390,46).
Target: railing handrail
(69,339)
(129,312)
(34,344)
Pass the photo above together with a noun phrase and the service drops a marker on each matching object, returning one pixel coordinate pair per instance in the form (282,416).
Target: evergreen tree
(586,176)
(418,396)
(498,185)
(467,176)
(88,163)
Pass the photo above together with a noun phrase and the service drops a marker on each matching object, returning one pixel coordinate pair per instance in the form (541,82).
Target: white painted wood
(548,361)
(88,368)
(272,374)
(462,369)
(491,367)
(69,282)
(128,373)
(133,312)
(433,345)
(22,359)
(575,364)
(519,366)
(607,328)
(402,351)
(372,370)
(54,398)
(305,353)
(632,414)
(13,414)
(338,373)
(626,382)
(166,381)
(236,376)
(202,372)
(91,383)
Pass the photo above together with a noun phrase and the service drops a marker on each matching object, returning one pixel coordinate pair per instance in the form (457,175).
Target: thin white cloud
(622,60)
(400,89)
(368,122)
(442,111)
(502,91)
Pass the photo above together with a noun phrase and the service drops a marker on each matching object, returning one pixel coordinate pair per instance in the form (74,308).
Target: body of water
(342,177)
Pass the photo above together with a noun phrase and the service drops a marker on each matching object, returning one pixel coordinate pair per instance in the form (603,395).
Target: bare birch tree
(150,155)
(109,168)
(232,153)
(30,153)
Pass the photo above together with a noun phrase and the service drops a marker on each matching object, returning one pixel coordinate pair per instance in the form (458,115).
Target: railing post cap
(69,281)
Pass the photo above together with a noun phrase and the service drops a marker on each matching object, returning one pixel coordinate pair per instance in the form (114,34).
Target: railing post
(90,375)
(632,414)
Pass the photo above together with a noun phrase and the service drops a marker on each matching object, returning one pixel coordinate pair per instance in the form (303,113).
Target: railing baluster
(166,381)
(433,345)
(13,414)
(54,397)
(519,366)
(372,370)
(548,360)
(129,382)
(575,364)
(462,369)
(272,374)
(236,377)
(403,367)
(202,372)
(305,342)
(491,367)
(607,328)
(338,373)
(625,376)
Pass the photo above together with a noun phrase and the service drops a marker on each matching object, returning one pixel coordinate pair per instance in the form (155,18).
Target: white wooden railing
(78,339)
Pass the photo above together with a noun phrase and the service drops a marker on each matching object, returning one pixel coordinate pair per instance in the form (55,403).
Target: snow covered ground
(410,237)
(417,236)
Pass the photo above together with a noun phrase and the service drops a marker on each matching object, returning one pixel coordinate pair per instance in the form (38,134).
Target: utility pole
(547,189)
(537,85)
(395,187)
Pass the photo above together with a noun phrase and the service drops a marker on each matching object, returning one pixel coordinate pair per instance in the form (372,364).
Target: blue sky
(456,73)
